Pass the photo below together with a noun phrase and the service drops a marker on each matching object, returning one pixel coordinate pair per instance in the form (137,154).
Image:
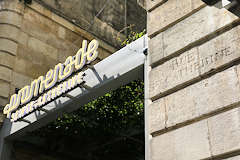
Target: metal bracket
(24,120)
(44,110)
(84,85)
(145,51)
(90,66)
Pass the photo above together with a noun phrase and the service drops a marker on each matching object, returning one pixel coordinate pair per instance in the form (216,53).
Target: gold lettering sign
(85,55)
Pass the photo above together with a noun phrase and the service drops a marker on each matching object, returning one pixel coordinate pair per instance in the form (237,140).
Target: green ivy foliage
(133,36)
(115,113)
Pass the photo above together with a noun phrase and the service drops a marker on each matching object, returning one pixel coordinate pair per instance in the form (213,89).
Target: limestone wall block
(157,115)
(13,5)
(10,17)
(8,46)
(186,33)
(153,3)
(30,55)
(4,89)
(8,31)
(23,38)
(196,27)
(45,49)
(199,61)
(5,74)
(29,69)
(3,102)
(155,46)
(169,13)
(187,143)
(224,132)
(207,96)
(20,80)
(6,59)
(233,158)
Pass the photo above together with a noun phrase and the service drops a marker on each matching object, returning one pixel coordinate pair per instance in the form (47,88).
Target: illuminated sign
(55,83)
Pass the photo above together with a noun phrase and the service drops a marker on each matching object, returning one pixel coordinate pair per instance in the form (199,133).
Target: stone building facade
(35,37)
(194,78)
(32,40)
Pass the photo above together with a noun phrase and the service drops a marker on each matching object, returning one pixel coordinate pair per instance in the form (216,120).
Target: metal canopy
(116,70)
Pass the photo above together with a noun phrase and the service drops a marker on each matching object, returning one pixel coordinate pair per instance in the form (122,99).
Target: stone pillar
(194,80)
(10,23)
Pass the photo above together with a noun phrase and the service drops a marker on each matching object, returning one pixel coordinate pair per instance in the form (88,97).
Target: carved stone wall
(103,18)
(194,90)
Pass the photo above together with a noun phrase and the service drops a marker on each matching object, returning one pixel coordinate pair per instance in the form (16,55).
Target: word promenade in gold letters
(44,89)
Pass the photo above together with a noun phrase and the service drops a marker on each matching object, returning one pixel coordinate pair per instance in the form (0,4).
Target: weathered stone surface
(23,38)
(224,132)
(45,49)
(196,27)
(29,69)
(169,13)
(155,46)
(220,51)
(45,35)
(238,72)
(173,73)
(19,80)
(4,89)
(3,102)
(14,5)
(103,53)
(8,46)
(61,32)
(187,143)
(43,22)
(179,36)
(157,115)
(10,17)
(233,158)
(5,74)
(209,95)
(6,59)
(111,20)
(8,31)
(212,55)
(30,55)
(153,3)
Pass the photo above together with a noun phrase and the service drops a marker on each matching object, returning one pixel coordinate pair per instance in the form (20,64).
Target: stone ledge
(170,13)
(4,89)
(6,59)
(208,97)
(10,17)
(5,74)
(193,65)
(217,137)
(224,132)
(188,143)
(14,5)
(8,46)
(9,31)
(191,32)
(152,4)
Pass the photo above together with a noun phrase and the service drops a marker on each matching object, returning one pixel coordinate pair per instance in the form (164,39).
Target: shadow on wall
(103,18)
